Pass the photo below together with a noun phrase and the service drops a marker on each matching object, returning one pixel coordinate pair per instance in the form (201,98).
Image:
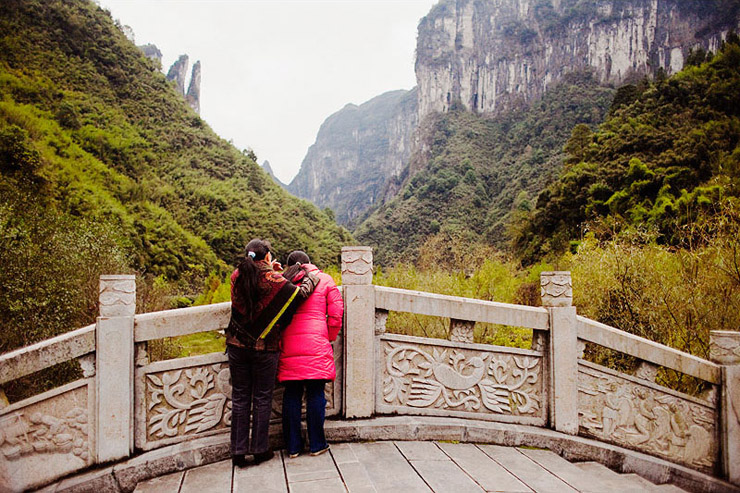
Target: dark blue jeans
(315,413)
(252,381)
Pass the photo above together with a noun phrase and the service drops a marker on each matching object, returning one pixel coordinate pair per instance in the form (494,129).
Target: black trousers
(253,381)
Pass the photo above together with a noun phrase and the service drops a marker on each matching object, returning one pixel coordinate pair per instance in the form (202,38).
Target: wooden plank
(571,473)
(30,359)
(211,477)
(170,482)
(489,474)
(604,335)
(379,463)
(527,471)
(269,476)
(182,321)
(421,303)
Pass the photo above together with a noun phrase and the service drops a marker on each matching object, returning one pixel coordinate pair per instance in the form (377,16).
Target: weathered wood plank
(380,463)
(527,471)
(24,361)
(270,476)
(211,477)
(484,470)
(604,335)
(170,482)
(182,321)
(421,303)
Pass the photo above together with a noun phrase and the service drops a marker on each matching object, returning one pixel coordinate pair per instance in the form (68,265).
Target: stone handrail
(30,359)
(647,350)
(421,303)
(124,404)
(181,321)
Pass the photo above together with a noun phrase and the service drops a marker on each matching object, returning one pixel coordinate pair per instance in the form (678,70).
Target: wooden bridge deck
(408,467)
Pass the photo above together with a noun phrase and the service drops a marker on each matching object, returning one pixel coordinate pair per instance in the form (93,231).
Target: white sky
(273,71)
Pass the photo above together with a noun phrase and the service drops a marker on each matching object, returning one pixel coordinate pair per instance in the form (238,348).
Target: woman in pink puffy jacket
(307,358)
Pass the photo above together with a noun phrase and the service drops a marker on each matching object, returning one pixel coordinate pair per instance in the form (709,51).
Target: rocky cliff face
(193,94)
(360,152)
(488,56)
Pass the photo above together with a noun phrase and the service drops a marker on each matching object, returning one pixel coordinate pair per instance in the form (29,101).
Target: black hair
(293,263)
(246,285)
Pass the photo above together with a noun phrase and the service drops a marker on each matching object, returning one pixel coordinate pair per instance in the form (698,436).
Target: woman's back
(306,352)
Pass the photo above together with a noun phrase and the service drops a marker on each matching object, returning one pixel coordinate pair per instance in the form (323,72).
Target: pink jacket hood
(305,348)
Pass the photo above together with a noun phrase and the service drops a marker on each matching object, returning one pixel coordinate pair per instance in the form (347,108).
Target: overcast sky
(272,71)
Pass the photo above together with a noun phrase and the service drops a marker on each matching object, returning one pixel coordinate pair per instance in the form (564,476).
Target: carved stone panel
(179,399)
(724,347)
(428,377)
(357,265)
(635,414)
(556,289)
(46,437)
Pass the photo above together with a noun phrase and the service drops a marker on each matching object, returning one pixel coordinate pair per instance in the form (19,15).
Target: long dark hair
(246,285)
(293,263)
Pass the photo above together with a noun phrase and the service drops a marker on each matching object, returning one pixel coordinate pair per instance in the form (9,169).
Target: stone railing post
(724,349)
(359,335)
(557,296)
(114,365)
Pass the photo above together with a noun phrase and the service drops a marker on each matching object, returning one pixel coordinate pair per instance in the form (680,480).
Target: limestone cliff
(193,94)
(488,56)
(178,72)
(359,153)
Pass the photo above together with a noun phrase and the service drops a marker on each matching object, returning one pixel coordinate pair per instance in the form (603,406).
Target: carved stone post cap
(117,295)
(724,347)
(357,265)
(556,288)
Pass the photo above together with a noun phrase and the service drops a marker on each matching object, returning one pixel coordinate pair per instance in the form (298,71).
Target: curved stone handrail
(126,405)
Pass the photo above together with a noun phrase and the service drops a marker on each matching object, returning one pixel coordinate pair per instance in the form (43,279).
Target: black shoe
(263,457)
(239,461)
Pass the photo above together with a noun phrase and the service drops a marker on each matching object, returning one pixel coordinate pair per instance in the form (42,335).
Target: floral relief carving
(620,411)
(188,401)
(456,379)
(37,433)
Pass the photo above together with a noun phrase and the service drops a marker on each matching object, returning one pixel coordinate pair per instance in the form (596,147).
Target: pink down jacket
(305,349)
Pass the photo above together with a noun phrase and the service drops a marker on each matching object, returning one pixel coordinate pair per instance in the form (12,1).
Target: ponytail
(246,285)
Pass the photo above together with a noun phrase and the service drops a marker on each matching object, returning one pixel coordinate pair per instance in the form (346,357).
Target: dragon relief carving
(38,432)
(617,410)
(179,401)
(452,379)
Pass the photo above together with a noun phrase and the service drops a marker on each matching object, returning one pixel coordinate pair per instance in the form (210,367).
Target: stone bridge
(129,419)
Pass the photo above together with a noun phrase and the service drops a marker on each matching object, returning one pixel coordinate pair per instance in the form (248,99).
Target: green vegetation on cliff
(480,171)
(667,157)
(104,167)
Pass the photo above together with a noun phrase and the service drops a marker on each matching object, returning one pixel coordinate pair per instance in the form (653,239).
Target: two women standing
(263,304)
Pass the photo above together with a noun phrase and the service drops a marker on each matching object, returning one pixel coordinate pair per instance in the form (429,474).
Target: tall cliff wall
(360,151)
(489,56)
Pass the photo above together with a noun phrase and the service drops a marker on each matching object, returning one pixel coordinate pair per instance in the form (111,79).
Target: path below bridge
(401,466)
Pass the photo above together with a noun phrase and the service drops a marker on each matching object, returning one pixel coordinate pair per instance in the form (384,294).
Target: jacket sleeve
(334,310)
(307,285)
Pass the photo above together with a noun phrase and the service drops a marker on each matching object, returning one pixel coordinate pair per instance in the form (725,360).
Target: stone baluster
(360,326)
(724,349)
(114,367)
(461,330)
(557,296)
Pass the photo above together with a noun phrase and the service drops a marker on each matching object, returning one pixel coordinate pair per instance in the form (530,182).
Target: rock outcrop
(178,72)
(151,51)
(360,152)
(193,94)
(268,169)
(489,56)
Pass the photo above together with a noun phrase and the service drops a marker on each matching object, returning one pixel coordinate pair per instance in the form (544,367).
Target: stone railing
(125,405)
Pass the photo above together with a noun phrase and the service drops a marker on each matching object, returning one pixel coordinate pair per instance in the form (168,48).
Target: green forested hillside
(666,160)
(480,171)
(104,167)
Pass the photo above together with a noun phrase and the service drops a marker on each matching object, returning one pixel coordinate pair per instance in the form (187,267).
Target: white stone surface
(724,347)
(556,288)
(647,350)
(114,379)
(563,369)
(357,265)
(359,357)
(117,296)
(438,305)
(182,321)
(731,422)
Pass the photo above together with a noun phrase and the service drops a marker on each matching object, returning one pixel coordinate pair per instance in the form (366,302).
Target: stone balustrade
(125,404)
